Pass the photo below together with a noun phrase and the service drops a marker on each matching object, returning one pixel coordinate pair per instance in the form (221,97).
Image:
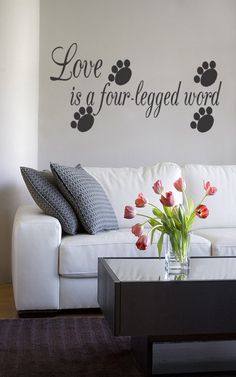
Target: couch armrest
(35,243)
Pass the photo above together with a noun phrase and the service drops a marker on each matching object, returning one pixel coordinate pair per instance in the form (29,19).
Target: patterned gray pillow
(43,189)
(87,197)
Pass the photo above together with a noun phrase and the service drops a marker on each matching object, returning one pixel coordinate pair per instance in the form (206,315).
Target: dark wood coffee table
(138,299)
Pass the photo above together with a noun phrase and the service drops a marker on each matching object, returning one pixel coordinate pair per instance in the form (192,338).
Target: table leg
(142,350)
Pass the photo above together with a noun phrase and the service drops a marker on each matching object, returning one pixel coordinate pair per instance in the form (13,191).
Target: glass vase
(177,256)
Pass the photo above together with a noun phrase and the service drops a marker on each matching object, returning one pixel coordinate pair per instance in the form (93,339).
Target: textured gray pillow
(87,197)
(43,189)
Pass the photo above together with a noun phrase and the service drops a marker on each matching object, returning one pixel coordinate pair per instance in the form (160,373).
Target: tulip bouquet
(174,220)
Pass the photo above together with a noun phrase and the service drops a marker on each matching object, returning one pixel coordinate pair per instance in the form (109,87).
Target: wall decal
(204,120)
(206,74)
(203,98)
(79,67)
(121,72)
(90,104)
(83,119)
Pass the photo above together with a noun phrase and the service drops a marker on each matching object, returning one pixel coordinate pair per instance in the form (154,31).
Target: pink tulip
(137,230)
(180,184)
(130,212)
(202,211)
(143,242)
(158,187)
(141,201)
(210,190)
(168,200)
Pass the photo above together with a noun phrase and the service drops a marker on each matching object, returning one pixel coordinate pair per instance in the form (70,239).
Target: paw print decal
(121,73)
(83,119)
(206,74)
(203,120)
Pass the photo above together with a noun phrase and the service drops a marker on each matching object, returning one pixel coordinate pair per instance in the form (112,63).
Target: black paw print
(206,74)
(204,120)
(121,72)
(83,119)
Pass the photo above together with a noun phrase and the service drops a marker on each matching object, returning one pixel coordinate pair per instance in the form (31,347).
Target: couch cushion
(223,241)
(78,254)
(87,197)
(221,213)
(123,185)
(43,189)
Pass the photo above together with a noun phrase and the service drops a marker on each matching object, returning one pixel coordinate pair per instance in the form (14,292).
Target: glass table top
(153,269)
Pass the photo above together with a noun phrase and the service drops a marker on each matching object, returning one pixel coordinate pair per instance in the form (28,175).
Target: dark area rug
(67,347)
(63,347)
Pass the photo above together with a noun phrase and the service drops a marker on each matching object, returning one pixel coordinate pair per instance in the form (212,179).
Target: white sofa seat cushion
(199,246)
(122,186)
(78,254)
(223,240)
(221,206)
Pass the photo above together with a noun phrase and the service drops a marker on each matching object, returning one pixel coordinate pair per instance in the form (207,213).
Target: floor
(7,307)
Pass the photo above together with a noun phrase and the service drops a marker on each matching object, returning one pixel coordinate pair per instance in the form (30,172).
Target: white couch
(52,272)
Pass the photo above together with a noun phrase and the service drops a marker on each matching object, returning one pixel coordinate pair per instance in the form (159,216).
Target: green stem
(155,227)
(147,217)
(152,205)
(186,200)
(144,222)
(180,244)
(203,198)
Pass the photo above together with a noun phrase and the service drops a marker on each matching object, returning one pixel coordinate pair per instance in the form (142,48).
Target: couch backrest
(123,185)
(222,206)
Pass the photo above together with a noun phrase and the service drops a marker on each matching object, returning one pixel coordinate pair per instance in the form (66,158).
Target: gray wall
(165,41)
(19,41)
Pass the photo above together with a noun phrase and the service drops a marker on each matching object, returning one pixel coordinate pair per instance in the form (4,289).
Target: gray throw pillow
(43,189)
(87,197)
